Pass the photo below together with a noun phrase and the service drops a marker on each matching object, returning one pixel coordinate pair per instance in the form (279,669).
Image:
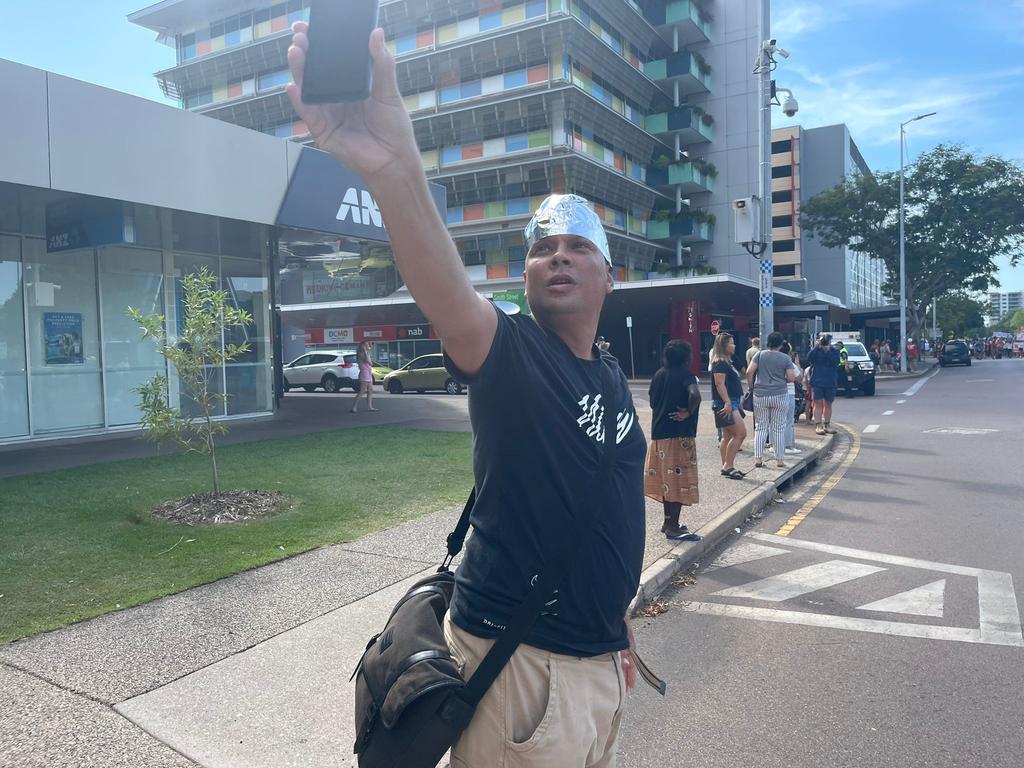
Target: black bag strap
(458,536)
(566,548)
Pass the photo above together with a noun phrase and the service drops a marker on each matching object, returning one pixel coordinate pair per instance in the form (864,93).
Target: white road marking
(998,617)
(744,552)
(928,632)
(921,601)
(888,413)
(900,402)
(914,389)
(959,431)
(792,584)
(871,428)
(978,381)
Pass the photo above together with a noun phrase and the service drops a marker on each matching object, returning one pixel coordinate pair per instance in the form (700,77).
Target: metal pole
(903,272)
(766,297)
(934,325)
(632,364)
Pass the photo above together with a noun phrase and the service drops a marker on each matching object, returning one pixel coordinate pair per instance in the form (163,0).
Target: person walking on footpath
(798,376)
(886,359)
(539,390)
(726,397)
(824,362)
(767,375)
(365,377)
(672,457)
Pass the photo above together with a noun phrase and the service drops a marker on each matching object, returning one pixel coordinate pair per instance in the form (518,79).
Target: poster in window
(63,334)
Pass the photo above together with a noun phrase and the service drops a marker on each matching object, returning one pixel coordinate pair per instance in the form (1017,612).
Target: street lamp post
(903,267)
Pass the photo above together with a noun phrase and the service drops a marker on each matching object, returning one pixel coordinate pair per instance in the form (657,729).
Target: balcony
(687,70)
(683,17)
(691,178)
(684,227)
(692,124)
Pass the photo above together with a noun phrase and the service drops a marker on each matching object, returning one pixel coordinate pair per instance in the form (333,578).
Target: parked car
(955,353)
(379,372)
(331,370)
(422,374)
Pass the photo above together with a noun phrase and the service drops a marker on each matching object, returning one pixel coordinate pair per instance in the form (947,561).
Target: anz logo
(361,207)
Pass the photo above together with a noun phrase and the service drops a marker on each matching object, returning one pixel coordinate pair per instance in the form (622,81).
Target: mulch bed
(229,507)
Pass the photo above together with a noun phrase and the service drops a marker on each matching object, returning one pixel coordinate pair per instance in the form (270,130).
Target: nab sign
(325,196)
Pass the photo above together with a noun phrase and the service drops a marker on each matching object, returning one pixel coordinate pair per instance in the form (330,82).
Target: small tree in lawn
(196,355)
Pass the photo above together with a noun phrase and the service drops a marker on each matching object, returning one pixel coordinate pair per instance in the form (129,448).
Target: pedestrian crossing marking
(742,553)
(792,584)
(920,601)
(998,617)
(871,428)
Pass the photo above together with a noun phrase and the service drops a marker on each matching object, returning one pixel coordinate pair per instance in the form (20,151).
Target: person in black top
(726,399)
(537,408)
(672,458)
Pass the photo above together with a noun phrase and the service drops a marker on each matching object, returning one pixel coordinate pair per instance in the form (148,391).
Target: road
(884,630)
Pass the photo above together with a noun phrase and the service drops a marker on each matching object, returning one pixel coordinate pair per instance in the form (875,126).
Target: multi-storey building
(1002,303)
(645,107)
(805,162)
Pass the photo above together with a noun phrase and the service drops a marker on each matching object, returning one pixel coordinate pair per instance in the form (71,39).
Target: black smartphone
(338,65)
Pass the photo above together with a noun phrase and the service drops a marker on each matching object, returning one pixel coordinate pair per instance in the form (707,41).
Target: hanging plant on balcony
(705,167)
(702,216)
(662,161)
(702,63)
(700,112)
(663,214)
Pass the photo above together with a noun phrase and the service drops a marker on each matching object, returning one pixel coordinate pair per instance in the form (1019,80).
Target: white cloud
(873,99)
(793,18)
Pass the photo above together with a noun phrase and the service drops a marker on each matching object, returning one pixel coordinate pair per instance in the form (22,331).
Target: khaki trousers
(545,710)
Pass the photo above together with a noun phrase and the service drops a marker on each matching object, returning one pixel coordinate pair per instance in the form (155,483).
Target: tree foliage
(197,354)
(960,316)
(962,213)
(1011,323)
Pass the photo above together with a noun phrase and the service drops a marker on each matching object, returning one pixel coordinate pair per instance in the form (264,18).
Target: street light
(903,268)
(764,64)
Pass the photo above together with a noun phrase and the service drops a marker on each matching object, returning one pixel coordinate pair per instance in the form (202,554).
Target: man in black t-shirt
(537,409)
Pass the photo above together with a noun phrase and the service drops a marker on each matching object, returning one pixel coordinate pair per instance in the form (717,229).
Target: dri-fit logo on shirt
(592,420)
(366,213)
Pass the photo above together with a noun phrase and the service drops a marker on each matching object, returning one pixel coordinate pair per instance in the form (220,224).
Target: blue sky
(868,63)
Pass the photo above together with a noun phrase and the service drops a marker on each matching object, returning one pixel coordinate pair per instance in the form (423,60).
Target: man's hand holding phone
(373,137)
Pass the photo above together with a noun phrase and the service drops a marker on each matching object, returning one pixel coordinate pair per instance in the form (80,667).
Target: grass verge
(78,543)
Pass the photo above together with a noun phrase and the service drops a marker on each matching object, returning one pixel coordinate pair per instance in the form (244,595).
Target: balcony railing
(685,16)
(684,228)
(684,68)
(692,126)
(687,176)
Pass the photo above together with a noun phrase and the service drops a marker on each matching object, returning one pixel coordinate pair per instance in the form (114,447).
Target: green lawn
(78,543)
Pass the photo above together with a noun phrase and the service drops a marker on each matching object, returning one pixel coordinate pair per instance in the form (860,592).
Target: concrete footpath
(252,671)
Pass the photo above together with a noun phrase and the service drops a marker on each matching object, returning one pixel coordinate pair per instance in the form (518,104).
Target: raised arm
(375,138)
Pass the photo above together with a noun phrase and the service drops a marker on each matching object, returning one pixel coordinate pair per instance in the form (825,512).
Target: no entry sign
(715,327)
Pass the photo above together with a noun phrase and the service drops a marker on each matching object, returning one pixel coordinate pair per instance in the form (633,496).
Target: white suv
(331,369)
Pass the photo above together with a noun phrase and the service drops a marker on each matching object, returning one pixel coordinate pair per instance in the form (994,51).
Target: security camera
(739,204)
(790,107)
(782,52)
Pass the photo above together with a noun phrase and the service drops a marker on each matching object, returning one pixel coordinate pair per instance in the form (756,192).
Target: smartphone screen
(338,66)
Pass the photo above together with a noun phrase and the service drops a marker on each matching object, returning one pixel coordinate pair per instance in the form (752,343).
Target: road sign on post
(715,327)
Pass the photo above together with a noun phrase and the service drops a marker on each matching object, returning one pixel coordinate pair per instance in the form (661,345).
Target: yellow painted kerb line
(826,487)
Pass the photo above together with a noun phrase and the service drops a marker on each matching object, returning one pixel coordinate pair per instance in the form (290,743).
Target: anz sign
(360,206)
(325,196)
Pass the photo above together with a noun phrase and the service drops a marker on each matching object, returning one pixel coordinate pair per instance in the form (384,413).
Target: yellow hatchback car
(420,375)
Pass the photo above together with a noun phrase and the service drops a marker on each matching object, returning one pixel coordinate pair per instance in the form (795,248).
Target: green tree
(962,212)
(196,354)
(1011,323)
(961,316)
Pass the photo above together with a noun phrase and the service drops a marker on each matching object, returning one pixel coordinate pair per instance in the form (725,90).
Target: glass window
(195,232)
(64,349)
(249,376)
(782,196)
(185,264)
(785,270)
(782,171)
(782,221)
(129,277)
(782,146)
(13,380)
(782,246)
